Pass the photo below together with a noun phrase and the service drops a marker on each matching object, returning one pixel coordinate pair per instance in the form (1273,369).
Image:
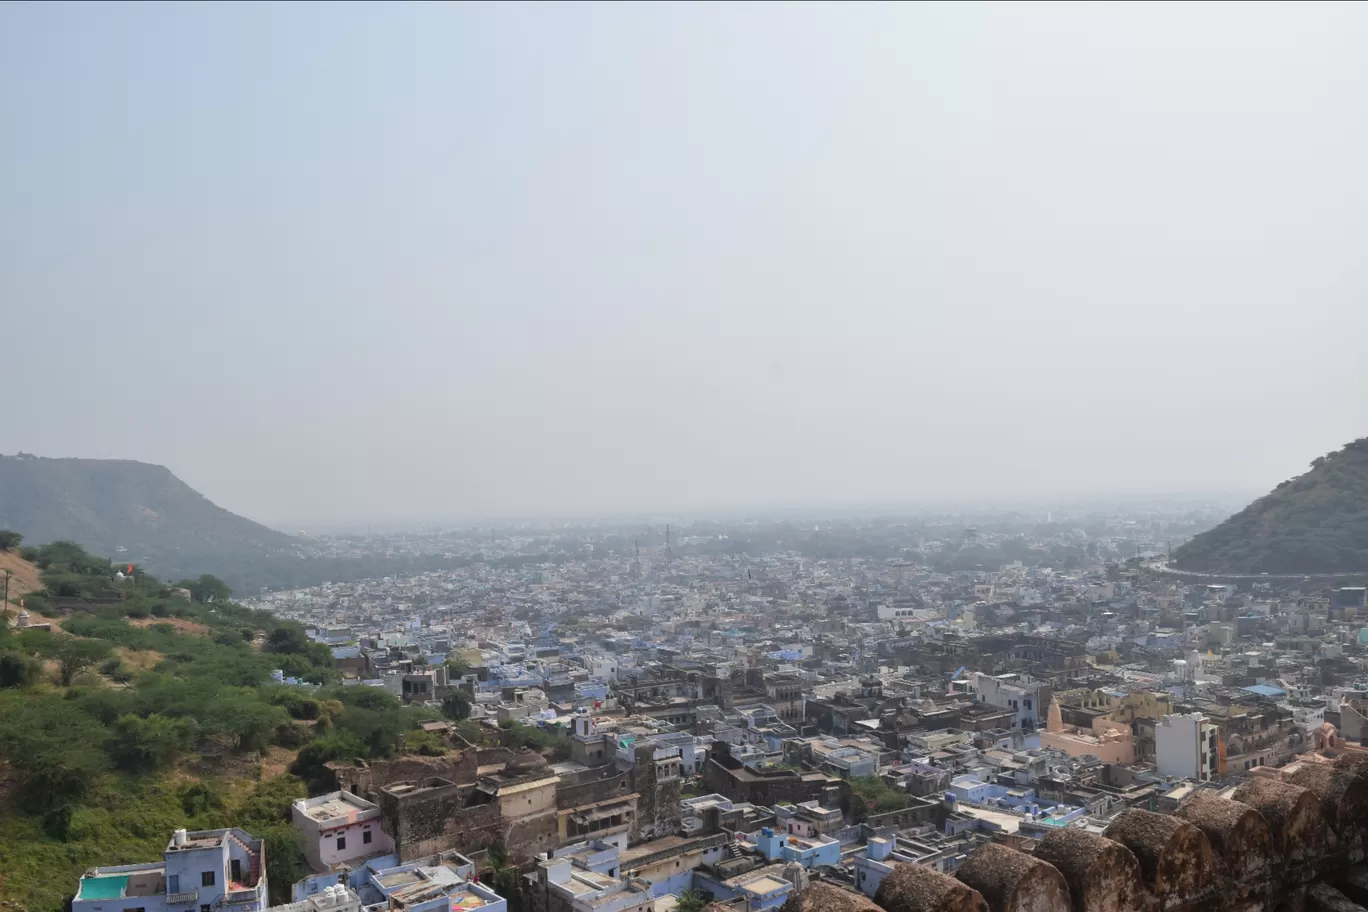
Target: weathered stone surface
(1175,858)
(914,888)
(822,897)
(1293,814)
(1343,794)
(1012,881)
(1354,884)
(433,815)
(1239,837)
(1324,898)
(1102,874)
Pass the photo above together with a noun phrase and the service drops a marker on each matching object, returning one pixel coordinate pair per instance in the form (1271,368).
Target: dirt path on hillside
(25,576)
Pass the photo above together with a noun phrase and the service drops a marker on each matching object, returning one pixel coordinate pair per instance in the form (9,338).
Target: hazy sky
(391,262)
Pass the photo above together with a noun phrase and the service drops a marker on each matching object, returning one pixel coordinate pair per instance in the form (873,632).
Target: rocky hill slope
(1314,523)
(130,511)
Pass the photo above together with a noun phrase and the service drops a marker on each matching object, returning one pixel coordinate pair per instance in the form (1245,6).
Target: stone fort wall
(1274,846)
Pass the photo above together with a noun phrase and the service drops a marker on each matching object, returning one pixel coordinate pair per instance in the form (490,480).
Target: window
(205,907)
(366,837)
(341,843)
(207,879)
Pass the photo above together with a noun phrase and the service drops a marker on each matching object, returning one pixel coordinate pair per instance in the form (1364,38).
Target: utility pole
(4,608)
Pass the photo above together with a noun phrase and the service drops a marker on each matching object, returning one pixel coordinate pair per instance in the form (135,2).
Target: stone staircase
(254,873)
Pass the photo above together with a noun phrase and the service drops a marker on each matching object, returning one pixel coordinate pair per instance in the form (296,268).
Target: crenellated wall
(1276,845)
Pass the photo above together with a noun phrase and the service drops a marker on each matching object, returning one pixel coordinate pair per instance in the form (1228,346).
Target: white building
(1185,747)
(339,827)
(1026,698)
(333,899)
(206,869)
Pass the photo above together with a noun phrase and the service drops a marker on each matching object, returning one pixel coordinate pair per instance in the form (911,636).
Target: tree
(139,745)
(207,589)
(456,705)
(285,861)
(692,901)
(378,731)
(17,670)
(505,876)
(266,813)
(75,654)
(372,698)
(242,714)
(54,754)
(287,638)
(877,796)
(310,764)
(9,541)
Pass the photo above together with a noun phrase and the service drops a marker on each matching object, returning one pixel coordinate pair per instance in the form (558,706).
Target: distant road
(1163,567)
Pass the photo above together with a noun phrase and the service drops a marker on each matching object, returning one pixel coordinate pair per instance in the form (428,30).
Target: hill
(136,512)
(127,712)
(1314,523)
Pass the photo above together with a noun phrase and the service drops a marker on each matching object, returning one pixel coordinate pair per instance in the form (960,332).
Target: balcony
(185,896)
(237,897)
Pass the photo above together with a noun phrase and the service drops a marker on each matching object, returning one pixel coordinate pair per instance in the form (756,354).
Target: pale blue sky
(388,262)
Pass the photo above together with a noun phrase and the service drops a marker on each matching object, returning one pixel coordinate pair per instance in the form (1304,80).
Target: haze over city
(419,262)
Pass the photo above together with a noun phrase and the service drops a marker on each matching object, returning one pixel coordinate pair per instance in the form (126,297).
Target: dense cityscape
(683,457)
(724,718)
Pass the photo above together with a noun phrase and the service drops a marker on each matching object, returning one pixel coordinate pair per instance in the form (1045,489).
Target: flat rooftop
(334,806)
(765,885)
(663,844)
(805,843)
(465,898)
(399,879)
(110,886)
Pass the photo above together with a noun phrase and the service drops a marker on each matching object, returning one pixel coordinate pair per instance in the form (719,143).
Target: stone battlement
(1273,845)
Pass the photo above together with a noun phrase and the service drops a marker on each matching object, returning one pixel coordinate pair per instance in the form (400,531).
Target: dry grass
(139,659)
(182,626)
(276,762)
(25,575)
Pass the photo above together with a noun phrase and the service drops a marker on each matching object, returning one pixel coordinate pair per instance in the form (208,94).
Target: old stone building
(484,796)
(730,777)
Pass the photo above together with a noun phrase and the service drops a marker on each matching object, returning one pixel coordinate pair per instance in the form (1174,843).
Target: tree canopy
(104,717)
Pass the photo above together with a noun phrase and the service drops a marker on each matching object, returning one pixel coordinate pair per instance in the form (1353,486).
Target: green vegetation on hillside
(140,712)
(1314,523)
